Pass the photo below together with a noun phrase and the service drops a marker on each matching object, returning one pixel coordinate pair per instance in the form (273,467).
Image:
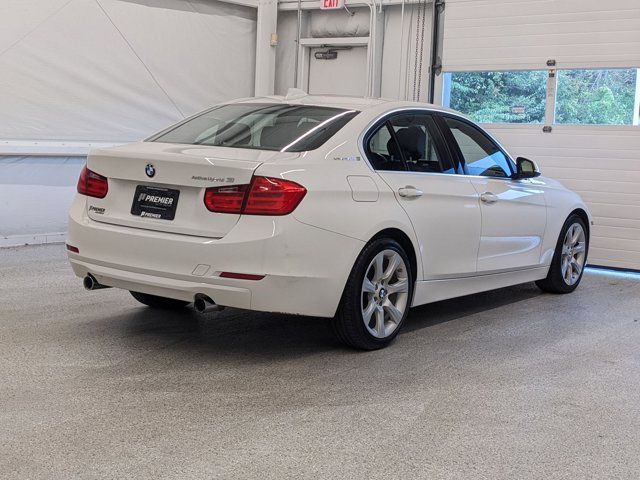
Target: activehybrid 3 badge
(150,170)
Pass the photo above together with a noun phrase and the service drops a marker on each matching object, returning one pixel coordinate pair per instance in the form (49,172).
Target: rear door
(514,212)
(149,179)
(443,206)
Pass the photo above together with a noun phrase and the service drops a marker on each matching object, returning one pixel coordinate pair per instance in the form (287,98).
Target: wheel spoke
(401,286)
(394,313)
(394,262)
(565,264)
(380,329)
(576,267)
(576,234)
(580,247)
(367,286)
(367,312)
(378,265)
(569,273)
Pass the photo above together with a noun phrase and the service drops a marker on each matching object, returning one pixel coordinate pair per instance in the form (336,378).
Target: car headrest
(234,134)
(412,142)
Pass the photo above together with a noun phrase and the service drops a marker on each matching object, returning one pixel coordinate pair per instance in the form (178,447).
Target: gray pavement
(510,384)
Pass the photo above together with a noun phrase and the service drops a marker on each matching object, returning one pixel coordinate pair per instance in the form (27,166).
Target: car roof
(299,97)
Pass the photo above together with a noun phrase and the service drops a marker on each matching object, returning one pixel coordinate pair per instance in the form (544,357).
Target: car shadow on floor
(235,331)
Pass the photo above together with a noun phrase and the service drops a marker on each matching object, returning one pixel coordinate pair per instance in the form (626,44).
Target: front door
(443,206)
(514,213)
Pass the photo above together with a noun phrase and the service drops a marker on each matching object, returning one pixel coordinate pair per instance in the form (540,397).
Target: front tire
(569,258)
(161,303)
(376,298)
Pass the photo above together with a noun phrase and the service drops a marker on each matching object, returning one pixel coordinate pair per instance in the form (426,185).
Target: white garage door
(495,55)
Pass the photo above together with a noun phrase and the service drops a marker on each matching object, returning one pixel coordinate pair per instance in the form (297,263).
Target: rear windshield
(286,128)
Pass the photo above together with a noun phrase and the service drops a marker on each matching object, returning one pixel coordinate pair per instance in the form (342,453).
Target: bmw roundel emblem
(150,170)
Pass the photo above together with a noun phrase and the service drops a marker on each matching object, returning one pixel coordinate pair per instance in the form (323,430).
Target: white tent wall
(118,70)
(75,73)
(601,162)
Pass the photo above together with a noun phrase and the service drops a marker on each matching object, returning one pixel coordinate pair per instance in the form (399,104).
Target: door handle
(409,192)
(488,197)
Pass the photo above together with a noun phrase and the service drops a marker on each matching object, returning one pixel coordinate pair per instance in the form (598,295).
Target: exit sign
(331,4)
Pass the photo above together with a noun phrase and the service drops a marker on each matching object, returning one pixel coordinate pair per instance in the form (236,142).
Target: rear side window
(281,127)
(481,156)
(406,142)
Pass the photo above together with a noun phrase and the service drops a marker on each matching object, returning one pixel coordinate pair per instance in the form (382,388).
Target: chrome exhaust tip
(203,304)
(90,283)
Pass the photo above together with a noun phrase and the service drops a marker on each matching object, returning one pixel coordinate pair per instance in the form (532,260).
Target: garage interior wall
(402,62)
(601,162)
(76,73)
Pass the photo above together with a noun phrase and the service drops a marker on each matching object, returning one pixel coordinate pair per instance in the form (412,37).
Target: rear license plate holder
(155,202)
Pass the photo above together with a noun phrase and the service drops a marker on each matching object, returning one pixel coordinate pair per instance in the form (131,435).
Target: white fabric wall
(118,70)
(105,71)
(601,163)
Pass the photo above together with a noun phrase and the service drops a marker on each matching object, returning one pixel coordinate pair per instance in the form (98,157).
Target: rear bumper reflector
(241,276)
(73,249)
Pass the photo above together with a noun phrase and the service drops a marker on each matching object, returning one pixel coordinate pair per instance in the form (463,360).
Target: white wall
(104,71)
(398,41)
(118,70)
(602,163)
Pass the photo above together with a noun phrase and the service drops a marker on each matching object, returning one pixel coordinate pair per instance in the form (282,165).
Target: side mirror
(526,168)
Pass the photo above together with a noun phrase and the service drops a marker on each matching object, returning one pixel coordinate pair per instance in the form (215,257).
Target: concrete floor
(504,385)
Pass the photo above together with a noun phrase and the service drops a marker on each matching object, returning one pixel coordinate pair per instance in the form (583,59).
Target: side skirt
(428,291)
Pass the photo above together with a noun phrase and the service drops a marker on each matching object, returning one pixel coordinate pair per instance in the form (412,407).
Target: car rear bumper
(305,268)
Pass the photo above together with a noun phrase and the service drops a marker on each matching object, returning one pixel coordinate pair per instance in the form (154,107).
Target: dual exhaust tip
(202,303)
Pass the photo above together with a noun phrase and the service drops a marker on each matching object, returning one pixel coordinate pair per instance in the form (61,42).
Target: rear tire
(155,301)
(569,258)
(376,298)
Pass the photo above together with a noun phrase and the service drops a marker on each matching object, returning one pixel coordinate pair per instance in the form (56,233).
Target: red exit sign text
(331,4)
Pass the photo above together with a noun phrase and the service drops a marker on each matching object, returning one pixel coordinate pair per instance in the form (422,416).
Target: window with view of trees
(596,96)
(498,97)
(583,96)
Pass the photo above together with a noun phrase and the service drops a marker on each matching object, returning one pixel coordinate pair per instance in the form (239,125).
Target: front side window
(481,155)
(261,126)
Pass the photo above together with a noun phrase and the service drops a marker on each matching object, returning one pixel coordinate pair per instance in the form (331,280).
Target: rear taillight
(225,199)
(91,184)
(264,196)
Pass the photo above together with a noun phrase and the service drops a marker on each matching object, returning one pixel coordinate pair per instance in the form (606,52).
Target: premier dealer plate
(155,202)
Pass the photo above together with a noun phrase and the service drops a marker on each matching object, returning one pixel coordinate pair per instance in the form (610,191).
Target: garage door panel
(632,199)
(626,233)
(593,175)
(615,223)
(596,186)
(601,41)
(525,34)
(615,211)
(614,258)
(598,22)
(600,162)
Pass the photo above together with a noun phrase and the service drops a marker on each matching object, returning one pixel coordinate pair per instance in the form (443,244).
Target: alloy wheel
(573,254)
(385,293)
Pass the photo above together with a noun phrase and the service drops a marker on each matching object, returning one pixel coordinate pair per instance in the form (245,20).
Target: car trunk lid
(147,180)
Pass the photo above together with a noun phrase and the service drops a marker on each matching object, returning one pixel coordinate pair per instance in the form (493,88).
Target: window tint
(416,144)
(497,97)
(292,128)
(596,96)
(383,152)
(481,156)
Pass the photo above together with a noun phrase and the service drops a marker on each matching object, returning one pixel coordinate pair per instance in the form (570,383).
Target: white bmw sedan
(326,206)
